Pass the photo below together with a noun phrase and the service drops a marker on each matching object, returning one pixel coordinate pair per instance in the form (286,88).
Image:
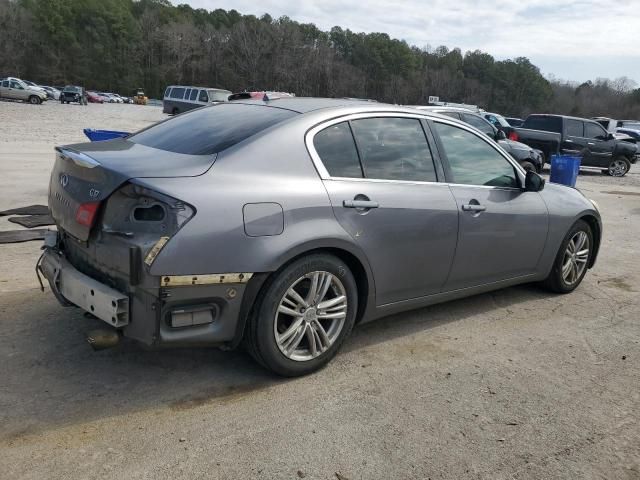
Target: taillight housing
(513,136)
(86,213)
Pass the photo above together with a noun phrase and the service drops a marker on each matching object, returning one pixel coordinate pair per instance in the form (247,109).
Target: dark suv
(72,93)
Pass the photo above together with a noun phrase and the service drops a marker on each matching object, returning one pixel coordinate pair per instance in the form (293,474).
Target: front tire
(572,261)
(619,167)
(303,315)
(34,100)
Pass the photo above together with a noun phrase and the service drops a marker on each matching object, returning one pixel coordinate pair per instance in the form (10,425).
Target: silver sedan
(282,224)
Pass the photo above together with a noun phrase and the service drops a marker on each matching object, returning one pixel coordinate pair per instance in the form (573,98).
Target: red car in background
(93,97)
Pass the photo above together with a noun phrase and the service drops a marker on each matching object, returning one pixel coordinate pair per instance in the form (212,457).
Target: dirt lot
(514,384)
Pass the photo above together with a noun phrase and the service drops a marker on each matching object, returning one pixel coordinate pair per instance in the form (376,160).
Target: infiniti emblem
(64,180)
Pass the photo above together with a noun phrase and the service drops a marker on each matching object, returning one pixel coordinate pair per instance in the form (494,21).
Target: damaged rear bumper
(208,310)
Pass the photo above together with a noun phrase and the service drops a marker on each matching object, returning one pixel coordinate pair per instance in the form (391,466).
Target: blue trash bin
(564,169)
(100,135)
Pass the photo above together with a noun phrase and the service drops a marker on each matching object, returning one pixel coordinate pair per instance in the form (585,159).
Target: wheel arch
(260,282)
(596,230)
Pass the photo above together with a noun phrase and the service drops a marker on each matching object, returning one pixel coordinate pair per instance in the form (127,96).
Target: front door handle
(590,143)
(360,204)
(472,207)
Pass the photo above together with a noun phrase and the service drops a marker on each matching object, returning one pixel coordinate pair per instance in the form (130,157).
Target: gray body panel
(265,201)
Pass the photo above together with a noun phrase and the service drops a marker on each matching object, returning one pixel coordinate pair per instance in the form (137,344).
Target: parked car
(52,92)
(93,97)
(35,86)
(613,126)
(178,98)
(262,223)
(73,93)
(139,97)
(632,131)
(528,158)
(561,134)
(514,121)
(15,89)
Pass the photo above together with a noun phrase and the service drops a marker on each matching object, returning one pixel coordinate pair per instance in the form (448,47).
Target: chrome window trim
(324,174)
(322,171)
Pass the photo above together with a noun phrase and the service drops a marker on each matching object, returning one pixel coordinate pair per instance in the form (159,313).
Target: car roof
(310,104)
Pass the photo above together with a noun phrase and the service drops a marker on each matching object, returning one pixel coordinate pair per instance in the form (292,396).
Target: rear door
(385,193)
(502,229)
(574,141)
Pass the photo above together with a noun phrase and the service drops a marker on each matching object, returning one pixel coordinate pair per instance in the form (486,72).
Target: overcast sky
(570,39)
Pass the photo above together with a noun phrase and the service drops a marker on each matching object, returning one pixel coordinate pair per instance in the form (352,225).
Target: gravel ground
(513,384)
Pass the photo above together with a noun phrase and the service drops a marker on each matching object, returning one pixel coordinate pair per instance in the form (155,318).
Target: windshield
(71,89)
(212,129)
(218,95)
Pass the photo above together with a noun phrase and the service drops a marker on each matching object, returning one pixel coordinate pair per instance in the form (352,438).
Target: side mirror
(500,135)
(610,136)
(533,182)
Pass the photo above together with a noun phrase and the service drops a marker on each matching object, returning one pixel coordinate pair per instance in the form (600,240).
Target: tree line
(121,45)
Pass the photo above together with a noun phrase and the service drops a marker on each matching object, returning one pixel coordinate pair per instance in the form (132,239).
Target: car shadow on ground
(52,377)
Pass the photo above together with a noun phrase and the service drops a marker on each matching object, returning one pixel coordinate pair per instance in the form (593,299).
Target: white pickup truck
(16,89)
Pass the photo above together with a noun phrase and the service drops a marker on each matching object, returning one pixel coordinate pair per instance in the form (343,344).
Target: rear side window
(209,130)
(394,149)
(177,92)
(574,128)
(337,150)
(194,95)
(540,122)
(203,96)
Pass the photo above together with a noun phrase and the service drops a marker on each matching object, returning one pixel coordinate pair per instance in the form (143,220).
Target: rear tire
(571,264)
(289,331)
(619,167)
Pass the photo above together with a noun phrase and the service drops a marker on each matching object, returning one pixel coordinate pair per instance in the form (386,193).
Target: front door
(600,147)
(502,229)
(385,194)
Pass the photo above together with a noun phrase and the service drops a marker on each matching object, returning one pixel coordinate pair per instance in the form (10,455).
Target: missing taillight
(152,213)
(86,213)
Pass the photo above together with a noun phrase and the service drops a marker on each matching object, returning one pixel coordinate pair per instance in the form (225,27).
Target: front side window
(479,123)
(574,128)
(337,150)
(203,96)
(394,149)
(16,85)
(472,161)
(594,130)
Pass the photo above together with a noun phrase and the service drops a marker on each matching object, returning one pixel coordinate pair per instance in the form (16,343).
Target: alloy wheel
(575,258)
(310,316)
(617,168)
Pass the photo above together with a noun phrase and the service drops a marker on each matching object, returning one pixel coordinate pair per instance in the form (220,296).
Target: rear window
(212,129)
(540,122)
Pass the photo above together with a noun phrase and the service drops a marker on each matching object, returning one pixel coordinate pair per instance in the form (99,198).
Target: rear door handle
(471,207)
(360,204)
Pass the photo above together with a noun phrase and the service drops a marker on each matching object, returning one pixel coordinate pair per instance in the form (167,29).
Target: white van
(179,98)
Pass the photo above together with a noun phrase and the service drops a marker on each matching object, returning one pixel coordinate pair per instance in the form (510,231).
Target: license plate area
(92,296)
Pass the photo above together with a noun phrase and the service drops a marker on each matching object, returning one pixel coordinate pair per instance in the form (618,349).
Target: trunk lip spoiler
(78,158)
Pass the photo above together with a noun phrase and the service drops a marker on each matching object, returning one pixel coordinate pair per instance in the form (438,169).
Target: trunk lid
(91,172)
